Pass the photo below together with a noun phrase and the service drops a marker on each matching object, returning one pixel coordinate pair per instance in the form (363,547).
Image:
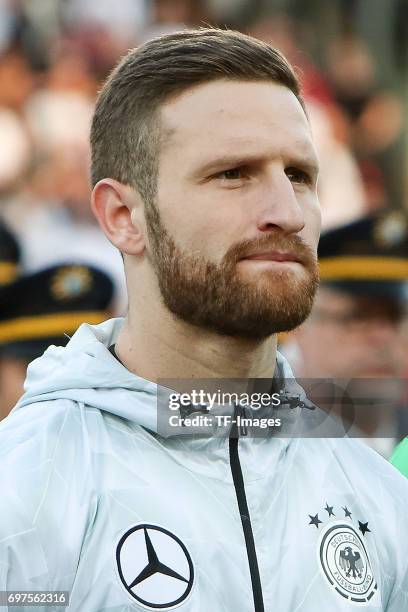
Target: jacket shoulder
(46,482)
(370,471)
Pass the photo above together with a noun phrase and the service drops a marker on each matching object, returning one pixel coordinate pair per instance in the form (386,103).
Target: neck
(175,349)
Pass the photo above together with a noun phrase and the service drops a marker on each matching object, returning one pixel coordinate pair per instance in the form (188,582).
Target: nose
(280,205)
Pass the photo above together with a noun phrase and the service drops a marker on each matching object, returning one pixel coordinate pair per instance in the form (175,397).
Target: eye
(296,175)
(233,174)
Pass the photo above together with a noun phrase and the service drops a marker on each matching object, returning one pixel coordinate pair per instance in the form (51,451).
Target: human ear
(118,209)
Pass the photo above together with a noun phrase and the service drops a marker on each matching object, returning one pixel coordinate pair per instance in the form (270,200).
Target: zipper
(239,485)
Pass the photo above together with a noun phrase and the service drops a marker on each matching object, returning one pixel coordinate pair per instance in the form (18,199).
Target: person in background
(355,327)
(10,255)
(41,309)
(373,113)
(51,220)
(16,86)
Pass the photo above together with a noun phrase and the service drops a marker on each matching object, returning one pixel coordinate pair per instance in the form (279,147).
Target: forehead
(220,116)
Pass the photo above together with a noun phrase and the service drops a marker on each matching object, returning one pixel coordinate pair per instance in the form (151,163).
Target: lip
(273,256)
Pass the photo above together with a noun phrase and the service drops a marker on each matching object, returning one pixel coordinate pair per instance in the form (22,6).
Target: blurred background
(352,60)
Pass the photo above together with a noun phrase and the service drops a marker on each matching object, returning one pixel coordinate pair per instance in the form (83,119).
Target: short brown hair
(125,134)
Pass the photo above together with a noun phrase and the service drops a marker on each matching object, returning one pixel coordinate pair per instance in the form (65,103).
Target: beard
(215,297)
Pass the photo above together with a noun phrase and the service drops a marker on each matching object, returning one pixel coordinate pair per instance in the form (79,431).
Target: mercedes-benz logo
(154,566)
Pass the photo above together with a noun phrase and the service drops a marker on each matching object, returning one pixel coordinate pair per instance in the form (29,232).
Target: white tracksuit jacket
(95,502)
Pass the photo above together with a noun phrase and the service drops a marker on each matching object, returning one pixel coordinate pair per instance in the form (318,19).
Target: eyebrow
(310,164)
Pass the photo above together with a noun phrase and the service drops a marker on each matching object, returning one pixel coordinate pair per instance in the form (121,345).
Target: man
(355,330)
(204,177)
(44,308)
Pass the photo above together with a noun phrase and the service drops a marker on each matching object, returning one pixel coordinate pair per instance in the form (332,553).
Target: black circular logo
(155,567)
(345,563)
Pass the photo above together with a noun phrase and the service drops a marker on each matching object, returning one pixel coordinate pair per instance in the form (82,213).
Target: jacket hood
(85,371)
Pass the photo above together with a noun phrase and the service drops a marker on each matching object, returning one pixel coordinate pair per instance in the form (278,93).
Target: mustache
(292,244)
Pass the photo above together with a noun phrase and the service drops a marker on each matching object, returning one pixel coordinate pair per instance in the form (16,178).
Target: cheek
(331,348)
(193,232)
(398,350)
(198,222)
(316,219)
(313,221)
